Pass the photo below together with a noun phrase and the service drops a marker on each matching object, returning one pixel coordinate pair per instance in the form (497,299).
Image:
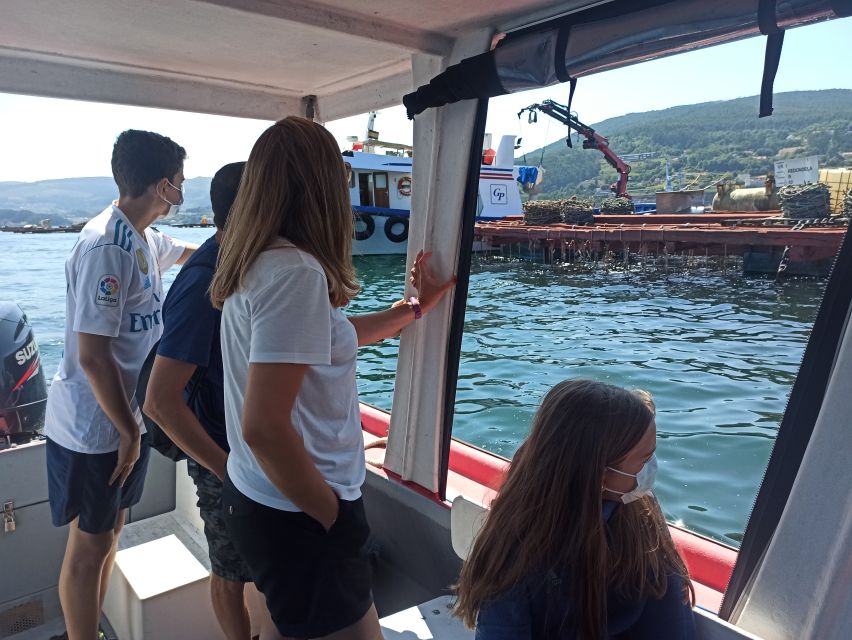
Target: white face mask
(644,481)
(173,208)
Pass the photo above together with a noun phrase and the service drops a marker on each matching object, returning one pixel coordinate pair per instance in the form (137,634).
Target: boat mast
(372,135)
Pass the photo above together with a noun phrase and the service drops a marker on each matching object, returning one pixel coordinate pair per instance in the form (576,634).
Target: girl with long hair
(292,491)
(575,544)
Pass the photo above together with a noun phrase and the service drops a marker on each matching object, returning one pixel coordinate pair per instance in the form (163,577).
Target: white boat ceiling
(249,58)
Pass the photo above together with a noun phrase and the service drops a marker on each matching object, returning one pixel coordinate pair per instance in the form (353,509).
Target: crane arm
(593,140)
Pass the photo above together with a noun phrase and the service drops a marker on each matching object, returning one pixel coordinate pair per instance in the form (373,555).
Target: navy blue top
(540,607)
(191,334)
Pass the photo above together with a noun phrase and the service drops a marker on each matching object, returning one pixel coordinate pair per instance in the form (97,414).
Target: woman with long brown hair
(292,491)
(575,544)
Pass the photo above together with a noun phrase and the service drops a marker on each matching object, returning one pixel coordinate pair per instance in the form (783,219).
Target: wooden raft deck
(711,234)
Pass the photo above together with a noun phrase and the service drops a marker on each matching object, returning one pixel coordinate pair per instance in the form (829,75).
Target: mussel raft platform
(766,242)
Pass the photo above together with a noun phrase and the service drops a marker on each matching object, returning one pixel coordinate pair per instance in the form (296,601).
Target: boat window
(712,325)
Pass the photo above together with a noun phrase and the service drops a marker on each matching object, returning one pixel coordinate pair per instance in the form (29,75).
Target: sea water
(718,351)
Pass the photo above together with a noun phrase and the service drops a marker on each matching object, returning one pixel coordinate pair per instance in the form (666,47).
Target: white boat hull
(389,236)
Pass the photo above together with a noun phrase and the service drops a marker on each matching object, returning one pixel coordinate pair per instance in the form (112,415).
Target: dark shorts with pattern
(225,562)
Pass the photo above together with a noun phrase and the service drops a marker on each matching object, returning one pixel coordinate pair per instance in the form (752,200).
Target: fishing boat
(380,187)
(425,491)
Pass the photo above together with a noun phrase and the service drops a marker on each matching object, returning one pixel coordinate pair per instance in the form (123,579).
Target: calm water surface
(718,352)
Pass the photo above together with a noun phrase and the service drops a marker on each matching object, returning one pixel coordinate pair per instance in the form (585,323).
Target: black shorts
(315,582)
(225,562)
(78,485)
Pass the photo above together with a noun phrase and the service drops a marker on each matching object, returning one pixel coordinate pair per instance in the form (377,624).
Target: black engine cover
(23,391)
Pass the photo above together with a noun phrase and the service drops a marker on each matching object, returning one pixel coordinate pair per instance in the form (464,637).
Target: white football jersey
(114,288)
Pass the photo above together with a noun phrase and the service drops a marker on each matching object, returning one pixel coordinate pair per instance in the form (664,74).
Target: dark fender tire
(369,226)
(392,235)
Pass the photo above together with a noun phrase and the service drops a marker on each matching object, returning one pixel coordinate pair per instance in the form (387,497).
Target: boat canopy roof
(251,58)
(331,59)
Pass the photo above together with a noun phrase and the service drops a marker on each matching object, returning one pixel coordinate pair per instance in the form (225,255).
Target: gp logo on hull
(499,194)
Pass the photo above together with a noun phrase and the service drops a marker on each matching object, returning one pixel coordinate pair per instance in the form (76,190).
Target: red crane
(592,139)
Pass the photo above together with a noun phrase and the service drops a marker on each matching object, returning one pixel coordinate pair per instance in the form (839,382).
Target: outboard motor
(23,391)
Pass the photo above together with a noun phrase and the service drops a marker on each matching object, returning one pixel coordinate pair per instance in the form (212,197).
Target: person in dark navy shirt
(186,398)
(575,545)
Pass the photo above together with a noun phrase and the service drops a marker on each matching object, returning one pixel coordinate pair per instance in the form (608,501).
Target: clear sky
(43,138)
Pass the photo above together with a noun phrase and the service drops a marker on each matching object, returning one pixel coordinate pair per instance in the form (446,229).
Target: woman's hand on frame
(430,289)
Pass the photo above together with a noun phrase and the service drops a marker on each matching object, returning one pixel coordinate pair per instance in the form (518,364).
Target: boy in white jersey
(95,460)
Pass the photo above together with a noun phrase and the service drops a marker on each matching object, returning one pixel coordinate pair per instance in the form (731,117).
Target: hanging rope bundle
(617,205)
(846,211)
(573,210)
(805,201)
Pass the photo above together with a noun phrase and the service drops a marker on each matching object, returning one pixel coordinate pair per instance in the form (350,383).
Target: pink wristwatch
(415,307)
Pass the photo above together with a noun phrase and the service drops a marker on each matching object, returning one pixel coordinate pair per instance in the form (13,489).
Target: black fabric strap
(474,77)
(572,86)
(560,52)
(559,62)
(766,21)
(562,70)
(774,42)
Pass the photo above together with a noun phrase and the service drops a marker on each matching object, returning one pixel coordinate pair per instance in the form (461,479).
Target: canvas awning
(250,58)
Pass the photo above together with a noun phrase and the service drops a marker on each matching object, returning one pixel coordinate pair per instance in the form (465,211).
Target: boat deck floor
(56,627)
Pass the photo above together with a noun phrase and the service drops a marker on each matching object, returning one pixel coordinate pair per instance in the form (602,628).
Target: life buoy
(392,235)
(369,226)
(404,186)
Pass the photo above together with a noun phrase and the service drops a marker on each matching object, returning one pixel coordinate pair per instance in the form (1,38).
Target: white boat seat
(466,519)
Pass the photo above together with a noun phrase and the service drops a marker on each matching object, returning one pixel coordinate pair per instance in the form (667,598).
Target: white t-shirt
(282,314)
(113,289)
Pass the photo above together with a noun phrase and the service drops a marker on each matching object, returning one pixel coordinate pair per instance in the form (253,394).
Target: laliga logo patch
(107,294)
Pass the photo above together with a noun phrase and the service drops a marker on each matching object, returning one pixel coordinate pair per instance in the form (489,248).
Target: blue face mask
(644,481)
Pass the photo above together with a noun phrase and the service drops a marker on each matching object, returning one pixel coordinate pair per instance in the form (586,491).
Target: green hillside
(705,141)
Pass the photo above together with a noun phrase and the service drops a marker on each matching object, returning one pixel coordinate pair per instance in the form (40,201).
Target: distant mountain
(702,143)
(75,199)
(23,217)
(705,142)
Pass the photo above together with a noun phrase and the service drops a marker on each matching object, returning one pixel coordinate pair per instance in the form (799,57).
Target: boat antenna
(372,134)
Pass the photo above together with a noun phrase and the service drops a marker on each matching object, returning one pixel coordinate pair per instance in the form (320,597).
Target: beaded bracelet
(415,307)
